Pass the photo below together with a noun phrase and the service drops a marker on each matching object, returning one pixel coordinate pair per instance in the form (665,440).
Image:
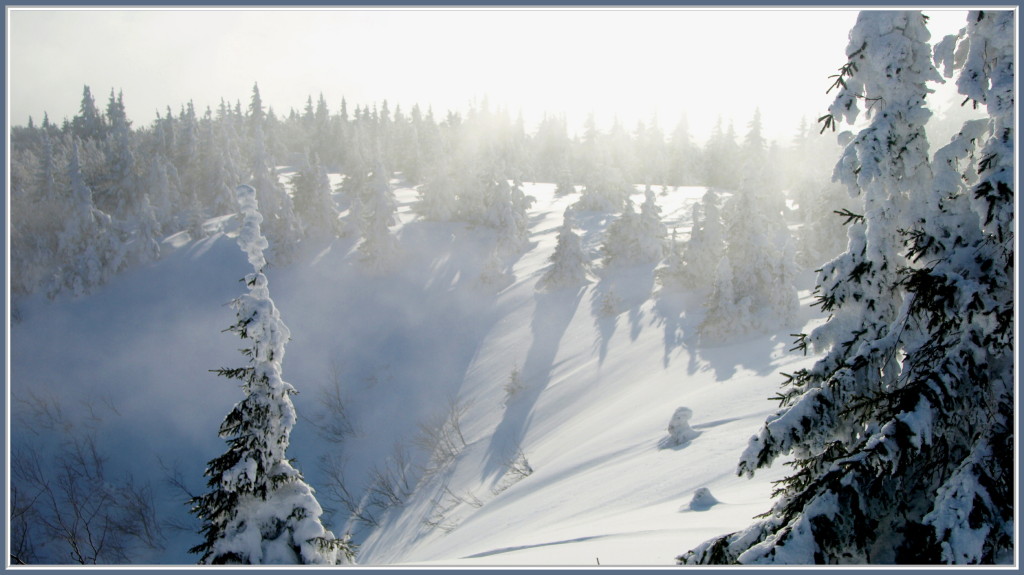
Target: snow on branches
(259,510)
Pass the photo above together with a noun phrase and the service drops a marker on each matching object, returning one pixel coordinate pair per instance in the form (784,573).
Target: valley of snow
(575,467)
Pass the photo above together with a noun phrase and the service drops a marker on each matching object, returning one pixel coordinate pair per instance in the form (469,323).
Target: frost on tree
(89,251)
(902,434)
(438,200)
(507,212)
(569,262)
(694,264)
(725,315)
(379,247)
(758,248)
(635,239)
(282,226)
(259,509)
(311,196)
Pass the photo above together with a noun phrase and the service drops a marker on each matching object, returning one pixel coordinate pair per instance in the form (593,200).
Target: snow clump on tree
(569,263)
(902,433)
(259,509)
(679,429)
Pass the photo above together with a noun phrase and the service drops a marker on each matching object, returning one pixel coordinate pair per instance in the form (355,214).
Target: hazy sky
(630,63)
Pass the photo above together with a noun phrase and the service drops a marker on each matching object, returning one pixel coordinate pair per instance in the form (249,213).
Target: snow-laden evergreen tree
(438,194)
(902,433)
(650,153)
(604,189)
(706,245)
(564,183)
(118,194)
(164,191)
(282,227)
(259,509)
(821,205)
(506,212)
(89,123)
(379,247)
(807,175)
(963,292)
(36,207)
(721,156)
(89,250)
(311,196)
(652,229)
(620,244)
(725,314)
(632,238)
(671,275)
(759,248)
(147,234)
(356,187)
(46,177)
(220,165)
(569,262)
(684,156)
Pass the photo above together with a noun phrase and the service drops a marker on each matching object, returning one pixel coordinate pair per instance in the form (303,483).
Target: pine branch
(850,216)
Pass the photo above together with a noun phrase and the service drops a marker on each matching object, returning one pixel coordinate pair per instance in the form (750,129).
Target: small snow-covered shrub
(702,500)
(610,304)
(514,386)
(517,468)
(679,429)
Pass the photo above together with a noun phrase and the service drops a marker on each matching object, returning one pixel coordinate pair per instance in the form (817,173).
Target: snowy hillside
(472,368)
(556,403)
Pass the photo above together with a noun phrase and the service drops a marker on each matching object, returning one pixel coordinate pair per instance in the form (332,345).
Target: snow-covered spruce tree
(605,189)
(902,434)
(725,314)
(706,245)
(652,230)
(282,227)
(569,263)
(684,156)
(379,247)
(118,195)
(259,509)
(820,235)
(89,250)
(759,248)
(671,275)
(438,201)
(963,293)
(356,186)
(634,239)
(720,158)
(311,196)
(218,165)
(145,238)
(507,213)
(564,183)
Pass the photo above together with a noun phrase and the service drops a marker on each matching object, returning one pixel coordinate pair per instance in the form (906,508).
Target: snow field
(589,420)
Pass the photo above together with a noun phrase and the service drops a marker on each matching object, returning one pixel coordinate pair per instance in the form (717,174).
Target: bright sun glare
(625,64)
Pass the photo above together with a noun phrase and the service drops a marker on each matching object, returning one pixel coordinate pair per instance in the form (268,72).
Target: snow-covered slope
(574,467)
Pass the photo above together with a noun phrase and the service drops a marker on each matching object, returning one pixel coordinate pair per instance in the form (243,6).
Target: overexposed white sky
(628,63)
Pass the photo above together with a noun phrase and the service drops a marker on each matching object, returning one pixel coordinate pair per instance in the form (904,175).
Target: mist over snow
(591,417)
(391,335)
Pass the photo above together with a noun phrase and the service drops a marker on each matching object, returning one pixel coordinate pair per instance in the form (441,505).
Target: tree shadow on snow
(620,290)
(680,314)
(754,352)
(551,317)
(671,312)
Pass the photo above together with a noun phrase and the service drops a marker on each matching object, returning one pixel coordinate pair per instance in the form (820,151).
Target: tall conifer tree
(259,509)
(901,434)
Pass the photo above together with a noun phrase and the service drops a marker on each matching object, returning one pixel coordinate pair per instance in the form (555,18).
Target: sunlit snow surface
(597,389)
